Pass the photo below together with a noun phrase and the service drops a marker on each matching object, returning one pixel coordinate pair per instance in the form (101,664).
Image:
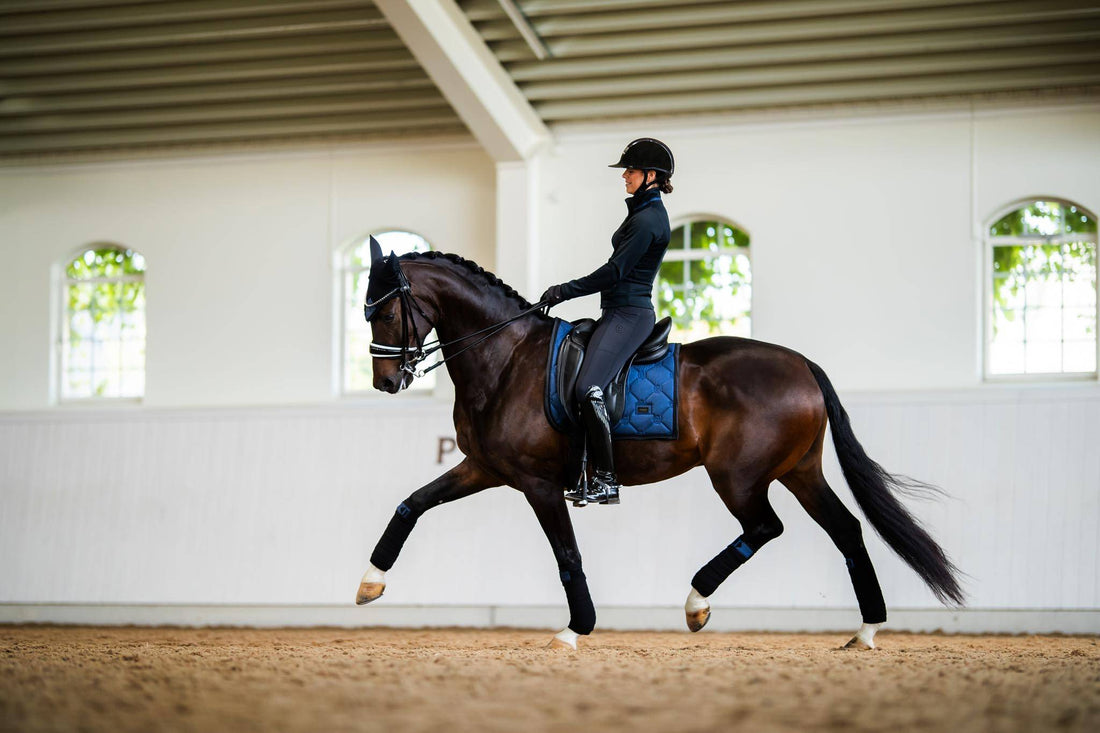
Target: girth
(571,355)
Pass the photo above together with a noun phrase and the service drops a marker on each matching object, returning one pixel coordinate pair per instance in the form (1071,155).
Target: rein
(411,358)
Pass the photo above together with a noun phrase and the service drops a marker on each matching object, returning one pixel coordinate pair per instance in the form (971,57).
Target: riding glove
(553,296)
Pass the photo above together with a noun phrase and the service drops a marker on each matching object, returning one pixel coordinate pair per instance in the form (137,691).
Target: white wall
(239,255)
(284,505)
(864,254)
(864,258)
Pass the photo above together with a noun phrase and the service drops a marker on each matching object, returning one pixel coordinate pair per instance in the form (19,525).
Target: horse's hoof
(864,638)
(565,640)
(369,592)
(697,619)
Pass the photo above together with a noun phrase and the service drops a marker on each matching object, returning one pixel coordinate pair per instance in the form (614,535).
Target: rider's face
(633,178)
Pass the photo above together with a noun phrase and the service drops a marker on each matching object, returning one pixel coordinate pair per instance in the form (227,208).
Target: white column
(517,245)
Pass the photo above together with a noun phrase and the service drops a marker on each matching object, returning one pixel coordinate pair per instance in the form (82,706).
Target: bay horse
(750,413)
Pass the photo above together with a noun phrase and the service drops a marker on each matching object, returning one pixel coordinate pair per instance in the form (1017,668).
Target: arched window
(705,281)
(357,377)
(1041,316)
(101,344)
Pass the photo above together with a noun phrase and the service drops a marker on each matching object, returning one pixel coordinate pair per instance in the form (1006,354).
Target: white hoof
(371,586)
(864,638)
(696,610)
(564,639)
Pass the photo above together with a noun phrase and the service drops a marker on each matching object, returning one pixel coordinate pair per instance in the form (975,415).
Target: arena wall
(245,491)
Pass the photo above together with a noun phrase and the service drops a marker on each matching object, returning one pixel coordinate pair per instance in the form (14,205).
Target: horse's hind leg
(759,524)
(813,492)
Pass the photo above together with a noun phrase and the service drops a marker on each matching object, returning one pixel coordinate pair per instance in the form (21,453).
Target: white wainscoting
(280,507)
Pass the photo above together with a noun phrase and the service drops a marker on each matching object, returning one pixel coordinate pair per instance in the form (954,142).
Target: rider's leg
(463,480)
(618,335)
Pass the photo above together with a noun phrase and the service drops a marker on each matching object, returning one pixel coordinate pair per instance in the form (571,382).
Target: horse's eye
(388,318)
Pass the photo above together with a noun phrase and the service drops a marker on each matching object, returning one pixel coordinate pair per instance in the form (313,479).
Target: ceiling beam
(529,35)
(468,75)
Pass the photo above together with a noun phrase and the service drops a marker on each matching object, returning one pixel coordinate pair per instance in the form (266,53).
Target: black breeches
(618,334)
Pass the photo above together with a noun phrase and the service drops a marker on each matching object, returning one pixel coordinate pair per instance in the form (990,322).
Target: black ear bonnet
(385,279)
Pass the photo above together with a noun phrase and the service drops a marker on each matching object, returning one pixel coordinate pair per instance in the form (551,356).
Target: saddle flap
(569,361)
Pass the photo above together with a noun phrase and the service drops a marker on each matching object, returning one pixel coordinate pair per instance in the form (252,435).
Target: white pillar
(517,245)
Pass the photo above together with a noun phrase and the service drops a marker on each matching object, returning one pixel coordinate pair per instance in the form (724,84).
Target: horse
(750,413)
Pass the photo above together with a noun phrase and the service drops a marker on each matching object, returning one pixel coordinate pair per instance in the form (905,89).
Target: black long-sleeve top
(639,246)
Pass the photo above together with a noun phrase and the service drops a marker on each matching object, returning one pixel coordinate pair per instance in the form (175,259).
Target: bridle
(412,357)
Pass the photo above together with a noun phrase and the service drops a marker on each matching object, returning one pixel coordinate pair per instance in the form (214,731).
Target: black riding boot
(605,487)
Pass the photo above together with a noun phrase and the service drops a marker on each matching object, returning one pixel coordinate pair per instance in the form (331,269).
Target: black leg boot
(605,487)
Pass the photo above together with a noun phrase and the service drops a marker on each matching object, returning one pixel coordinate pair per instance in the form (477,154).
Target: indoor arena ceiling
(101,75)
(614,58)
(93,75)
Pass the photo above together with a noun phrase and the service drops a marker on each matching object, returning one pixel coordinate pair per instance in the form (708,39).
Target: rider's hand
(553,296)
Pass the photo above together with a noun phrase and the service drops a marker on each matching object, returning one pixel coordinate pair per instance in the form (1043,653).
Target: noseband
(411,357)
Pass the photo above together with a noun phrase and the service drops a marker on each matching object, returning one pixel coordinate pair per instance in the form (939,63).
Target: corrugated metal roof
(612,58)
(90,75)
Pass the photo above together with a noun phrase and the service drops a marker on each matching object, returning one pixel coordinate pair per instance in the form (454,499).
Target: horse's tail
(875,488)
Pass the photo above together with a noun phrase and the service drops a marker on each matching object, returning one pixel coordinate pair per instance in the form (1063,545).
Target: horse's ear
(396,272)
(375,250)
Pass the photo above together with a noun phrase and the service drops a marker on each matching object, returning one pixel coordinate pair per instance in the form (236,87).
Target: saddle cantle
(645,387)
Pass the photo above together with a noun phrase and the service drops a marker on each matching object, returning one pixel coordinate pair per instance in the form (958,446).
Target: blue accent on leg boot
(715,572)
(393,539)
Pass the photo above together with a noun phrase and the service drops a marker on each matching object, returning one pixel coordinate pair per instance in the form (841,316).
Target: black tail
(874,490)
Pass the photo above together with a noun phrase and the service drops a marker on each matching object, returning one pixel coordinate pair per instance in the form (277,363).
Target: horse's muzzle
(392,384)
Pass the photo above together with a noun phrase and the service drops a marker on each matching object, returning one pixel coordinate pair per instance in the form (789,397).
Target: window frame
(60,338)
(685,254)
(344,269)
(988,242)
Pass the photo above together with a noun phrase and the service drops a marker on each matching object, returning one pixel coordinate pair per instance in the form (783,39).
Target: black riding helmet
(647,154)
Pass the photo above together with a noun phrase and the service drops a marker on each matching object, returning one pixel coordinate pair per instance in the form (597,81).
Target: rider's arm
(635,241)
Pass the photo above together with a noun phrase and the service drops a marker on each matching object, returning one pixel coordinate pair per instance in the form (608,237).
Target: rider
(625,284)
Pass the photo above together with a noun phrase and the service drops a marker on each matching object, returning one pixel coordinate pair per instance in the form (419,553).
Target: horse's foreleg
(463,480)
(553,516)
(760,524)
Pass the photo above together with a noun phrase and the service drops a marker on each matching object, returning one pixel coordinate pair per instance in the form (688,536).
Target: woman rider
(625,284)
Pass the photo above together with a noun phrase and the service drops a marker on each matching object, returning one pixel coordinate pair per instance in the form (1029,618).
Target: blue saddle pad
(649,406)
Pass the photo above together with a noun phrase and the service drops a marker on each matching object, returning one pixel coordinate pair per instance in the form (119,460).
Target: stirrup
(606,488)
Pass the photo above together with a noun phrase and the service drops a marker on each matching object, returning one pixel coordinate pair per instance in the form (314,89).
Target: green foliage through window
(1043,290)
(103,338)
(705,281)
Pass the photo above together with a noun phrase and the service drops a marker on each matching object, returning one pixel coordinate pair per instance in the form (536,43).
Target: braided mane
(488,277)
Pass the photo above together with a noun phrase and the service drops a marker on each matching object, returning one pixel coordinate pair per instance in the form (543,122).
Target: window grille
(101,344)
(357,375)
(1041,307)
(705,281)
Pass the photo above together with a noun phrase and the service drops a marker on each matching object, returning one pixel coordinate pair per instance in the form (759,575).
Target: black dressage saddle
(571,356)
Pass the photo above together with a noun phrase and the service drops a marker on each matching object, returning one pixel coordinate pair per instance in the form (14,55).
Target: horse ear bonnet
(385,276)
